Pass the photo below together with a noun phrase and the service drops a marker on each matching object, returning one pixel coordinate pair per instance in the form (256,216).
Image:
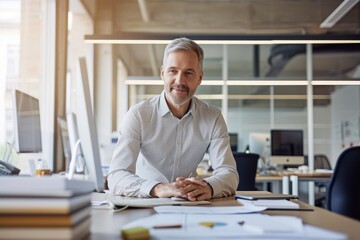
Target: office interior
(279,78)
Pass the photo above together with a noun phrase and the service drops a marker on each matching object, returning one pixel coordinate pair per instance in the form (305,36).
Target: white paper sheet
(255,226)
(271,203)
(209,210)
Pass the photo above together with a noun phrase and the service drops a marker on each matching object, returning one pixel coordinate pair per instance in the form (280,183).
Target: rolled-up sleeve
(225,178)
(122,179)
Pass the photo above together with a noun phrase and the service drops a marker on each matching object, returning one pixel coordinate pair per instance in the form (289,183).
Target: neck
(179,110)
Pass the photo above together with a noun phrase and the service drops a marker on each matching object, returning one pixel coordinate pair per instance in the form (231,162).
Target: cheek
(167,81)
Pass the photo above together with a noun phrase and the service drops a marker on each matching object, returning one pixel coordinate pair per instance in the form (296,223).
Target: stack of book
(44,208)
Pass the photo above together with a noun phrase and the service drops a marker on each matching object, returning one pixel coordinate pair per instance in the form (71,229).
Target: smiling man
(164,138)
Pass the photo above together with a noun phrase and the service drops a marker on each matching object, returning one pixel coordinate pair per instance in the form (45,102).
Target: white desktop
(259,143)
(27,140)
(88,139)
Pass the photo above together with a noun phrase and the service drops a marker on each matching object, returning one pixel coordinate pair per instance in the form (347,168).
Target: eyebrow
(186,70)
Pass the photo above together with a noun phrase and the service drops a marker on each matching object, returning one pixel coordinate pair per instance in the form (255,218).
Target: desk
(285,177)
(294,177)
(274,180)
(106,225)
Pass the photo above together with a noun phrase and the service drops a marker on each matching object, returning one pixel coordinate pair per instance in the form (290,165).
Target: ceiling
(287,18)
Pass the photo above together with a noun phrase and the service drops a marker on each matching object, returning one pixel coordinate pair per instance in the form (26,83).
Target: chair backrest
(321,162)
(246,164)
(343,193)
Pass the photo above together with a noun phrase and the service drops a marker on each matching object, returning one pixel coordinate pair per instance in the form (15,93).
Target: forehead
(181,58)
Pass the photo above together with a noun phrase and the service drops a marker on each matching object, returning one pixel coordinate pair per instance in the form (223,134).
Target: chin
(178,101)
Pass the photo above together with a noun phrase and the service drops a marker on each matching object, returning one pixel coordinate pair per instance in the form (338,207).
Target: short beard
(174,99)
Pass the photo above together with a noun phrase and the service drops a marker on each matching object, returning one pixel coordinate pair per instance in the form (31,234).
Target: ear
(200,77)
(162,72)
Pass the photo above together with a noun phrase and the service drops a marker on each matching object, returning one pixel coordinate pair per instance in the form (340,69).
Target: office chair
(246,164)
(321,162)
(343,192)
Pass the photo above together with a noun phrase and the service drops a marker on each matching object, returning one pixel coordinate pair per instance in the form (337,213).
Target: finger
(196,181)
(189,188)
(180,179)
(202,197)
(199,194)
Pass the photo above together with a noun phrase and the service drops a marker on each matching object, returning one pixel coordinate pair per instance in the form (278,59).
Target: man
(164,138)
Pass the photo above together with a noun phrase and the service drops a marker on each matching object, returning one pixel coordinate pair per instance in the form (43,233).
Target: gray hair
(184,44)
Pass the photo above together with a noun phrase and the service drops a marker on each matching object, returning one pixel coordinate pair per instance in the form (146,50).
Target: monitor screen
(87,129)
(287,147)
(234,141)
(27,129)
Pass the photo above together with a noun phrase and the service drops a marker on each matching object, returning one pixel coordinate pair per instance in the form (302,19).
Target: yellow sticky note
(207,224)
(135,233)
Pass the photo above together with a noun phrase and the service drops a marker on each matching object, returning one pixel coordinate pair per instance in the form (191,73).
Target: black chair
(246,164)
(343,193)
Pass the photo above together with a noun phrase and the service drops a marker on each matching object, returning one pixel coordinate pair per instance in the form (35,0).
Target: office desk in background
(286,182)
(285,177)
(106,225)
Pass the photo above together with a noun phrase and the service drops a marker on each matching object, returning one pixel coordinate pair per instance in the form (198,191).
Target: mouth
(180,89)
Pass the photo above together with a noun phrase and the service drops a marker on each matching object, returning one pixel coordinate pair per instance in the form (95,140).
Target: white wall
(244,121)
(345,115)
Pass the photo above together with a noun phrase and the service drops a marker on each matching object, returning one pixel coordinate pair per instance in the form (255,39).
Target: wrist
(211,189)
(153,192)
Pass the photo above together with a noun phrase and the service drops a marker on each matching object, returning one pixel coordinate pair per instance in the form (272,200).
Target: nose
(179,79)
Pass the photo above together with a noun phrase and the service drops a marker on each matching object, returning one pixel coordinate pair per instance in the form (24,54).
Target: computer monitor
(64,133)
(27,128)
(73,133)
(287,147)
(259,143)
(234,141)
(87,129)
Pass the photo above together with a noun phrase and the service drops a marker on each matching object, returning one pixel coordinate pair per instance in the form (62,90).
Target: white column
(310,120)
(285,184)
(102,102)
(225,75)
(294,185)
(47,102)
(272,108)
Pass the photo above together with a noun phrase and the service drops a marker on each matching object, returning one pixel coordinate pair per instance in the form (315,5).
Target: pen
(167,226)
(241,223)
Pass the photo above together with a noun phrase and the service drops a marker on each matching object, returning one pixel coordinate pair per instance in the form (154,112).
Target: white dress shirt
(154,146)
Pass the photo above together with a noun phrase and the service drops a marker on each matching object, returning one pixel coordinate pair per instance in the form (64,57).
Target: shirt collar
(164,108)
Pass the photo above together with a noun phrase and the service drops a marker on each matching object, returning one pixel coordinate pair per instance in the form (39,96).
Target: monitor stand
(75,155)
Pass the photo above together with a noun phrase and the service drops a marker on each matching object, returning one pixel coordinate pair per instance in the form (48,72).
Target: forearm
(125,183)
(223,182)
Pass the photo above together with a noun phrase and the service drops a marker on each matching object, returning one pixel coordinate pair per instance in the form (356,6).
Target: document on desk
(118,200)
(270,203)
(264,195)
(209,210)
(231,226)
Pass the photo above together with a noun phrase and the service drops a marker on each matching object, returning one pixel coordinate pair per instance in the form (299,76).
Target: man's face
(181,75)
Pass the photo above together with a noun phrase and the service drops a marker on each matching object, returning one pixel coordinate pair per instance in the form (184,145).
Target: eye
(190,74)
(172,71)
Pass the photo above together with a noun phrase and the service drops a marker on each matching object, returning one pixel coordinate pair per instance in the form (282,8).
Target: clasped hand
(193,189)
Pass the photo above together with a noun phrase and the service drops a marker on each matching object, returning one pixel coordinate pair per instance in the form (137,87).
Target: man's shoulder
(205,107)
(147,104)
